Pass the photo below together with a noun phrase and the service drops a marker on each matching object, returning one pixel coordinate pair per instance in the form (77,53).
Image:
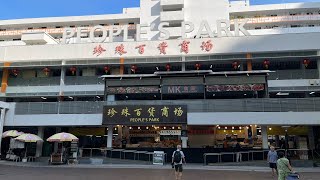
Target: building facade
(246,72)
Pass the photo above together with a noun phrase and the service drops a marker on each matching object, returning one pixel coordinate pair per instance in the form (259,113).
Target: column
(184,139)
(5,76)
(264,134)
(311,138)
(58,130)
(62,79)
(183,64)
(2,116)
(40,143)
(249,62)
(110,134)
(318,65)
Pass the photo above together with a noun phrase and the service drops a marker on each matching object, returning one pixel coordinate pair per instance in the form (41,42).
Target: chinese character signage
(144,114)
(132,90)
(235,88)
(182,89)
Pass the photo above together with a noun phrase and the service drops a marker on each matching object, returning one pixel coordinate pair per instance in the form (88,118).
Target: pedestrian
(178,159)
(272,160)
(237,149)
(284,167)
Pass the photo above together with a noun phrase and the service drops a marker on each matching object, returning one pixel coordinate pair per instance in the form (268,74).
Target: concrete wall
(225,45)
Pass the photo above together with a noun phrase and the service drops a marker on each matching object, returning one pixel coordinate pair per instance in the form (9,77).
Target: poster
(158,157)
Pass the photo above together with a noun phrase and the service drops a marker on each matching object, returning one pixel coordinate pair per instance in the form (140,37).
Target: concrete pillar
(183,64)
(311,138)
(318,65)
(58,130)
(249,62)
(40,143)
(264,135)
(2,116)
(62,79)
(111,98)
(184,142)
(110,134)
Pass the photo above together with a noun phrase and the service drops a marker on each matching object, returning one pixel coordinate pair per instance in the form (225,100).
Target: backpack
(177,157)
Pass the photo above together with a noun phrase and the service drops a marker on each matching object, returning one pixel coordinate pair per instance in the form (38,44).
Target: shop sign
(144,114)
(158,158)
(170,132)
(132,90)
(110,33)
(235,88)
(182,89)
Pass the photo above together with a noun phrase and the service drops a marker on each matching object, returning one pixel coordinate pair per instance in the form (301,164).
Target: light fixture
(226,127)
(70,97)
(172,127)
(245,94)
(120,78)
(147,127)
(247,127)
(240,130)
(224,130)
(311,93)
(130,127)
(225,75)
(164,127)
(127,97)
(179,127)
(248,74)
(270,129)
(98,97)
(259,131)
(157,68)
(211,66)
(213,95)
(219,127)
(255,125)
(115,129)
(250,125)
(140,78)
(44,98)
(139,127)
(232,130)
(232,127)
(240,127)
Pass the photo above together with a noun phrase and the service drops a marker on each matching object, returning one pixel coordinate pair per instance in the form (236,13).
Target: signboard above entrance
(144,114)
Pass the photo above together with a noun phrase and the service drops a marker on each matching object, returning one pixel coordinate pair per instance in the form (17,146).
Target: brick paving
(45,173)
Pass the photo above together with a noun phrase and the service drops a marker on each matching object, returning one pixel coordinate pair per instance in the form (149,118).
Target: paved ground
(47,173)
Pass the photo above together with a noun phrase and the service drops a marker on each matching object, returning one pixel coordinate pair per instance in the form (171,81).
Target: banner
(144,114)
(170,132)
(235,88)
(132,90)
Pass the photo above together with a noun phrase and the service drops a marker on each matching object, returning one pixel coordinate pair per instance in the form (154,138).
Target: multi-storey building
(234,69)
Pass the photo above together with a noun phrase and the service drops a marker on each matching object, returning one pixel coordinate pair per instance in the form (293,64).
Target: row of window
(72,26)
(275,15)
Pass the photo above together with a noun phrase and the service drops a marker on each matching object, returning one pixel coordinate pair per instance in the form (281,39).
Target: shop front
(146,126)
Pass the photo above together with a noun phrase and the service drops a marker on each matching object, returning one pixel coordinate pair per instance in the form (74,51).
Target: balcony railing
(232,105)
(262,20)
(52,81)
(83,80)
(294,74)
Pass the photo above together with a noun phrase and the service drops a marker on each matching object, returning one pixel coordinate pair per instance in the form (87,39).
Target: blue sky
(16,9)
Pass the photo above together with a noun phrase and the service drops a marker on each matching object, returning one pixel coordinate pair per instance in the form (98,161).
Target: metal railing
(51,81)
(227,105)
(83,80)
(294,74)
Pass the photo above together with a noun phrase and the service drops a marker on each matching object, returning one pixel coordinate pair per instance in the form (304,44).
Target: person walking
(272,160)
(284,167)
(178,159)
(237,150)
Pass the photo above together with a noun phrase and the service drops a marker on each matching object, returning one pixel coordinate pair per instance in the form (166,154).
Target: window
(30,27)
(16,39)
(43,27)
(1,40)
(116,24)
(72,26)
(58,26)
(294,26)
(311,25)
(257,28)
(102,24)
(293,14)
(131,23)
(273,15)
(309,13)
(2,29)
